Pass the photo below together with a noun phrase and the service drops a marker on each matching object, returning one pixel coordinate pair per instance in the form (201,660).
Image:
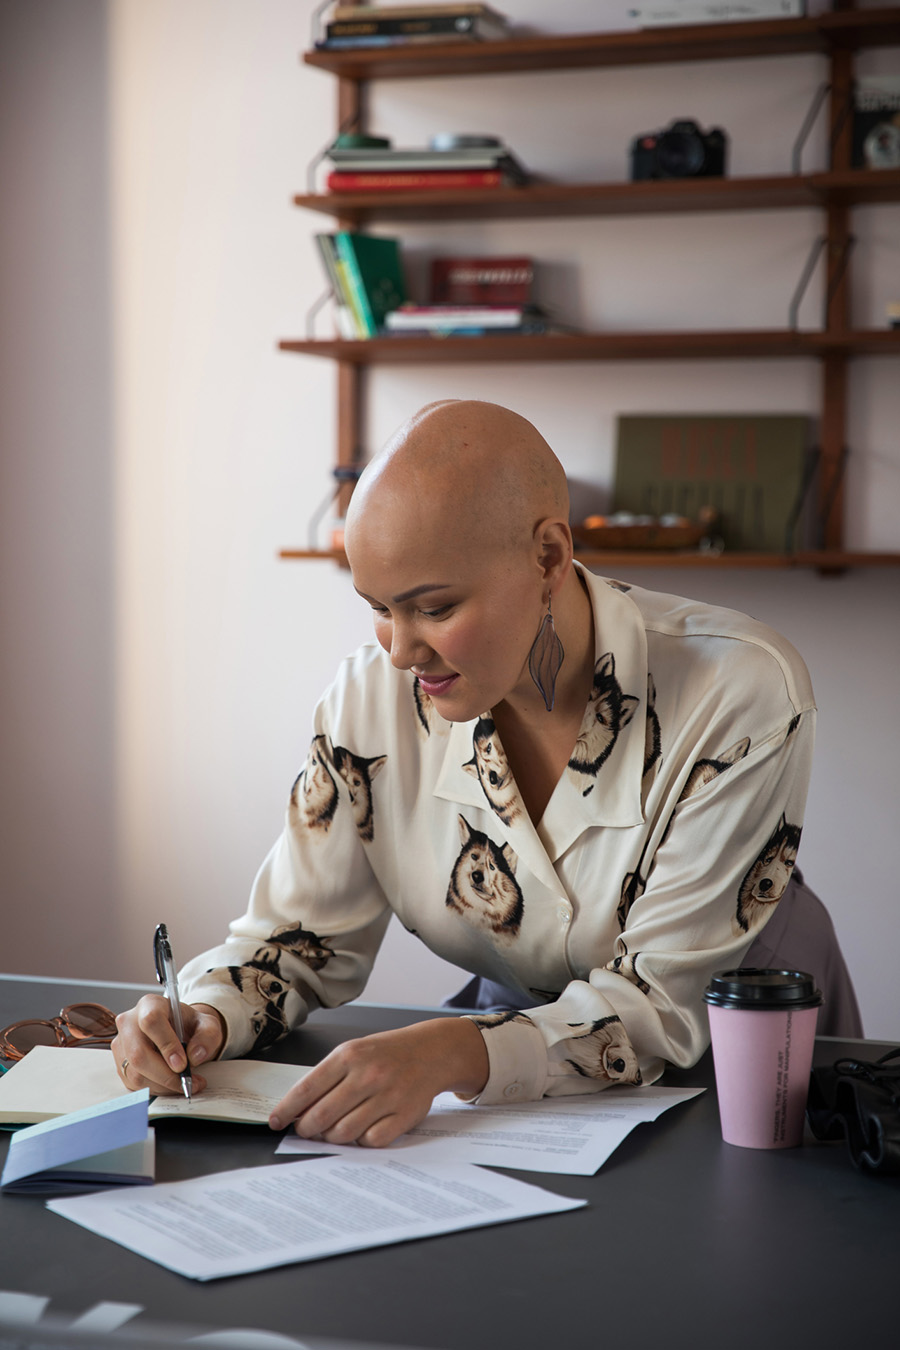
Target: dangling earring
(546,657)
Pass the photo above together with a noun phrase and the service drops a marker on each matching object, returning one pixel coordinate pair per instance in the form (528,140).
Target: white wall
(162,663)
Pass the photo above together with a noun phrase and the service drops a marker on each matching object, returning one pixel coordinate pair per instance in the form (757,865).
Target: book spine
(443,161)
(345,319)
(399,182)
(673,14)
(427,11)
(462,26)
(353,278)
(481,316)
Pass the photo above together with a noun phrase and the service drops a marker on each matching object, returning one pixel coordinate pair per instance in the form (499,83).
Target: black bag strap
(860,1100)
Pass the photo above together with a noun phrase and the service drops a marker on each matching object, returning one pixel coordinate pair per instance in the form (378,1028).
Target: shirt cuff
(517,1059)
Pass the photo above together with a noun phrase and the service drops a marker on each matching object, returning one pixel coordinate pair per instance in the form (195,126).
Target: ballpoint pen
(165,973)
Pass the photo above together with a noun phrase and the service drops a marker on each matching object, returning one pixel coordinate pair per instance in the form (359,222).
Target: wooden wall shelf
(833,193)
(840,30)
(549,199)
(542,199)
(823,560)
(749,344)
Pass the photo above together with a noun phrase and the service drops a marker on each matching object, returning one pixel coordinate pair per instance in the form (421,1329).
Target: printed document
(572,1135)
(234,1222)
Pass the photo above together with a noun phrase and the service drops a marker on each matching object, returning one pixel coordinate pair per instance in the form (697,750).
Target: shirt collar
(613,731)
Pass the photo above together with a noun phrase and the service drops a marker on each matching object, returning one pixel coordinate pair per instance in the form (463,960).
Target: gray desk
(686,1241)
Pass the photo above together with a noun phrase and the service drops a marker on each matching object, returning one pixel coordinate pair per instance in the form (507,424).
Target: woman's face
(460,616)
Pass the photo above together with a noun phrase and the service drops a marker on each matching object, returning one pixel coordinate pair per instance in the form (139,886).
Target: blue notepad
(106,1145)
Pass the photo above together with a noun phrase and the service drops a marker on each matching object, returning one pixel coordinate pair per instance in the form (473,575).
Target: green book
(754,471)
(375,275)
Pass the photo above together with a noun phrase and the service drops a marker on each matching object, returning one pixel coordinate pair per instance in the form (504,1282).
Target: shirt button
(564,914)
(512,1090)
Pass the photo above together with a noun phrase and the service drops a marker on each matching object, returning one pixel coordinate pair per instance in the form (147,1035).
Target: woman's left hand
(370,1091)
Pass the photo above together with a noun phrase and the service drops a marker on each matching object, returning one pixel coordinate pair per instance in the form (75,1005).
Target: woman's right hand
(148,1053)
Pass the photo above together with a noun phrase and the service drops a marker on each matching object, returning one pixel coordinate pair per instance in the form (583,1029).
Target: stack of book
(473,297)
(464,162)
(366,276)
(353,26)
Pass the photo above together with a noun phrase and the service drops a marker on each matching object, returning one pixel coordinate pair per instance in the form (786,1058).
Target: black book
(876,122)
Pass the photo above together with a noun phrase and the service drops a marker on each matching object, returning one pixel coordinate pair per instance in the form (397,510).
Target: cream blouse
(662,852)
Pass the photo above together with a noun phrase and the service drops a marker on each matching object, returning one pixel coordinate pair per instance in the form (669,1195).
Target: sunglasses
(79,1024)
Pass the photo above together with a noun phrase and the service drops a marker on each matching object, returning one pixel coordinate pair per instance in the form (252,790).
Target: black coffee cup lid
(749,987)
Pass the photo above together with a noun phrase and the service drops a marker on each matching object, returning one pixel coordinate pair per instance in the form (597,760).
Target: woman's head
(457,536)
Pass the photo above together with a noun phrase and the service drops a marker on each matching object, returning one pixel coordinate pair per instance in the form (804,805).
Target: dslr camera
(681,151)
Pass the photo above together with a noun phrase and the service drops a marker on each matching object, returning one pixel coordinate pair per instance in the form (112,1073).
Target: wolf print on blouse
(262,984)
(633,887)
(314,796)
(602,1049)
(653,735)
(483,889)
(292,939)
(608,712)
(598,1049)
(705,770)
(626,966)
(766,881)
(491,767)
(358,773)
(264,992)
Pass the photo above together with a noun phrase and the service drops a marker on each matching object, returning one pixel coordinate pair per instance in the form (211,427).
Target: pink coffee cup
(763,1027)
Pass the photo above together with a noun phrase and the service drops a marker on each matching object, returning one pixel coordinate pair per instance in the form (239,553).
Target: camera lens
(679,154)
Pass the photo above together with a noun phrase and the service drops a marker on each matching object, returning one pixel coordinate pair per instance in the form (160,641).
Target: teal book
(755,471)
(374,273)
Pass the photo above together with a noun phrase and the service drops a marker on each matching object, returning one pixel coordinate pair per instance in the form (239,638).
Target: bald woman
(584,791)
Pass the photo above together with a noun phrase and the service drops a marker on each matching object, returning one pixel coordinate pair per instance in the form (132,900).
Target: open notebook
(52,1081)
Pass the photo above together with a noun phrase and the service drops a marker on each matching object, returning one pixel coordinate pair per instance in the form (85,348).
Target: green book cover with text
(376,274)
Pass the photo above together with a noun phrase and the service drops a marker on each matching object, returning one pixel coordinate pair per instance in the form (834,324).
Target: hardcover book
(672,13)
(501,280)
(431,27)
(455,318)
(374,276)
(754,471)
(465,158)
(462,10)
(414,181)
(876,122)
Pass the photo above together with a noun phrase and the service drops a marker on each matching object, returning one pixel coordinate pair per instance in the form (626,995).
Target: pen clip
(162,952)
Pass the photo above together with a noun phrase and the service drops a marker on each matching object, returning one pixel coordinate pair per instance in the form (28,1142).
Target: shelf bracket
(830,493)
(837,272)
(348,123)
(806,274)
(316,26)
(316,308)
(813,459)
(342,473)
(807,125)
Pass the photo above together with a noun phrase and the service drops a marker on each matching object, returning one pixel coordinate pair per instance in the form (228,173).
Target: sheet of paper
(241,1090)
(233,1222)
(572,1135)
(78,1140)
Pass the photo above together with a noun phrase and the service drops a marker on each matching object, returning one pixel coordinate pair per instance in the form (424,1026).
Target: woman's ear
(554,549)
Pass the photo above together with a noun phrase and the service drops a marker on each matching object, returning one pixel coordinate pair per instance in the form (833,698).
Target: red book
(412,180)
(501,280)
